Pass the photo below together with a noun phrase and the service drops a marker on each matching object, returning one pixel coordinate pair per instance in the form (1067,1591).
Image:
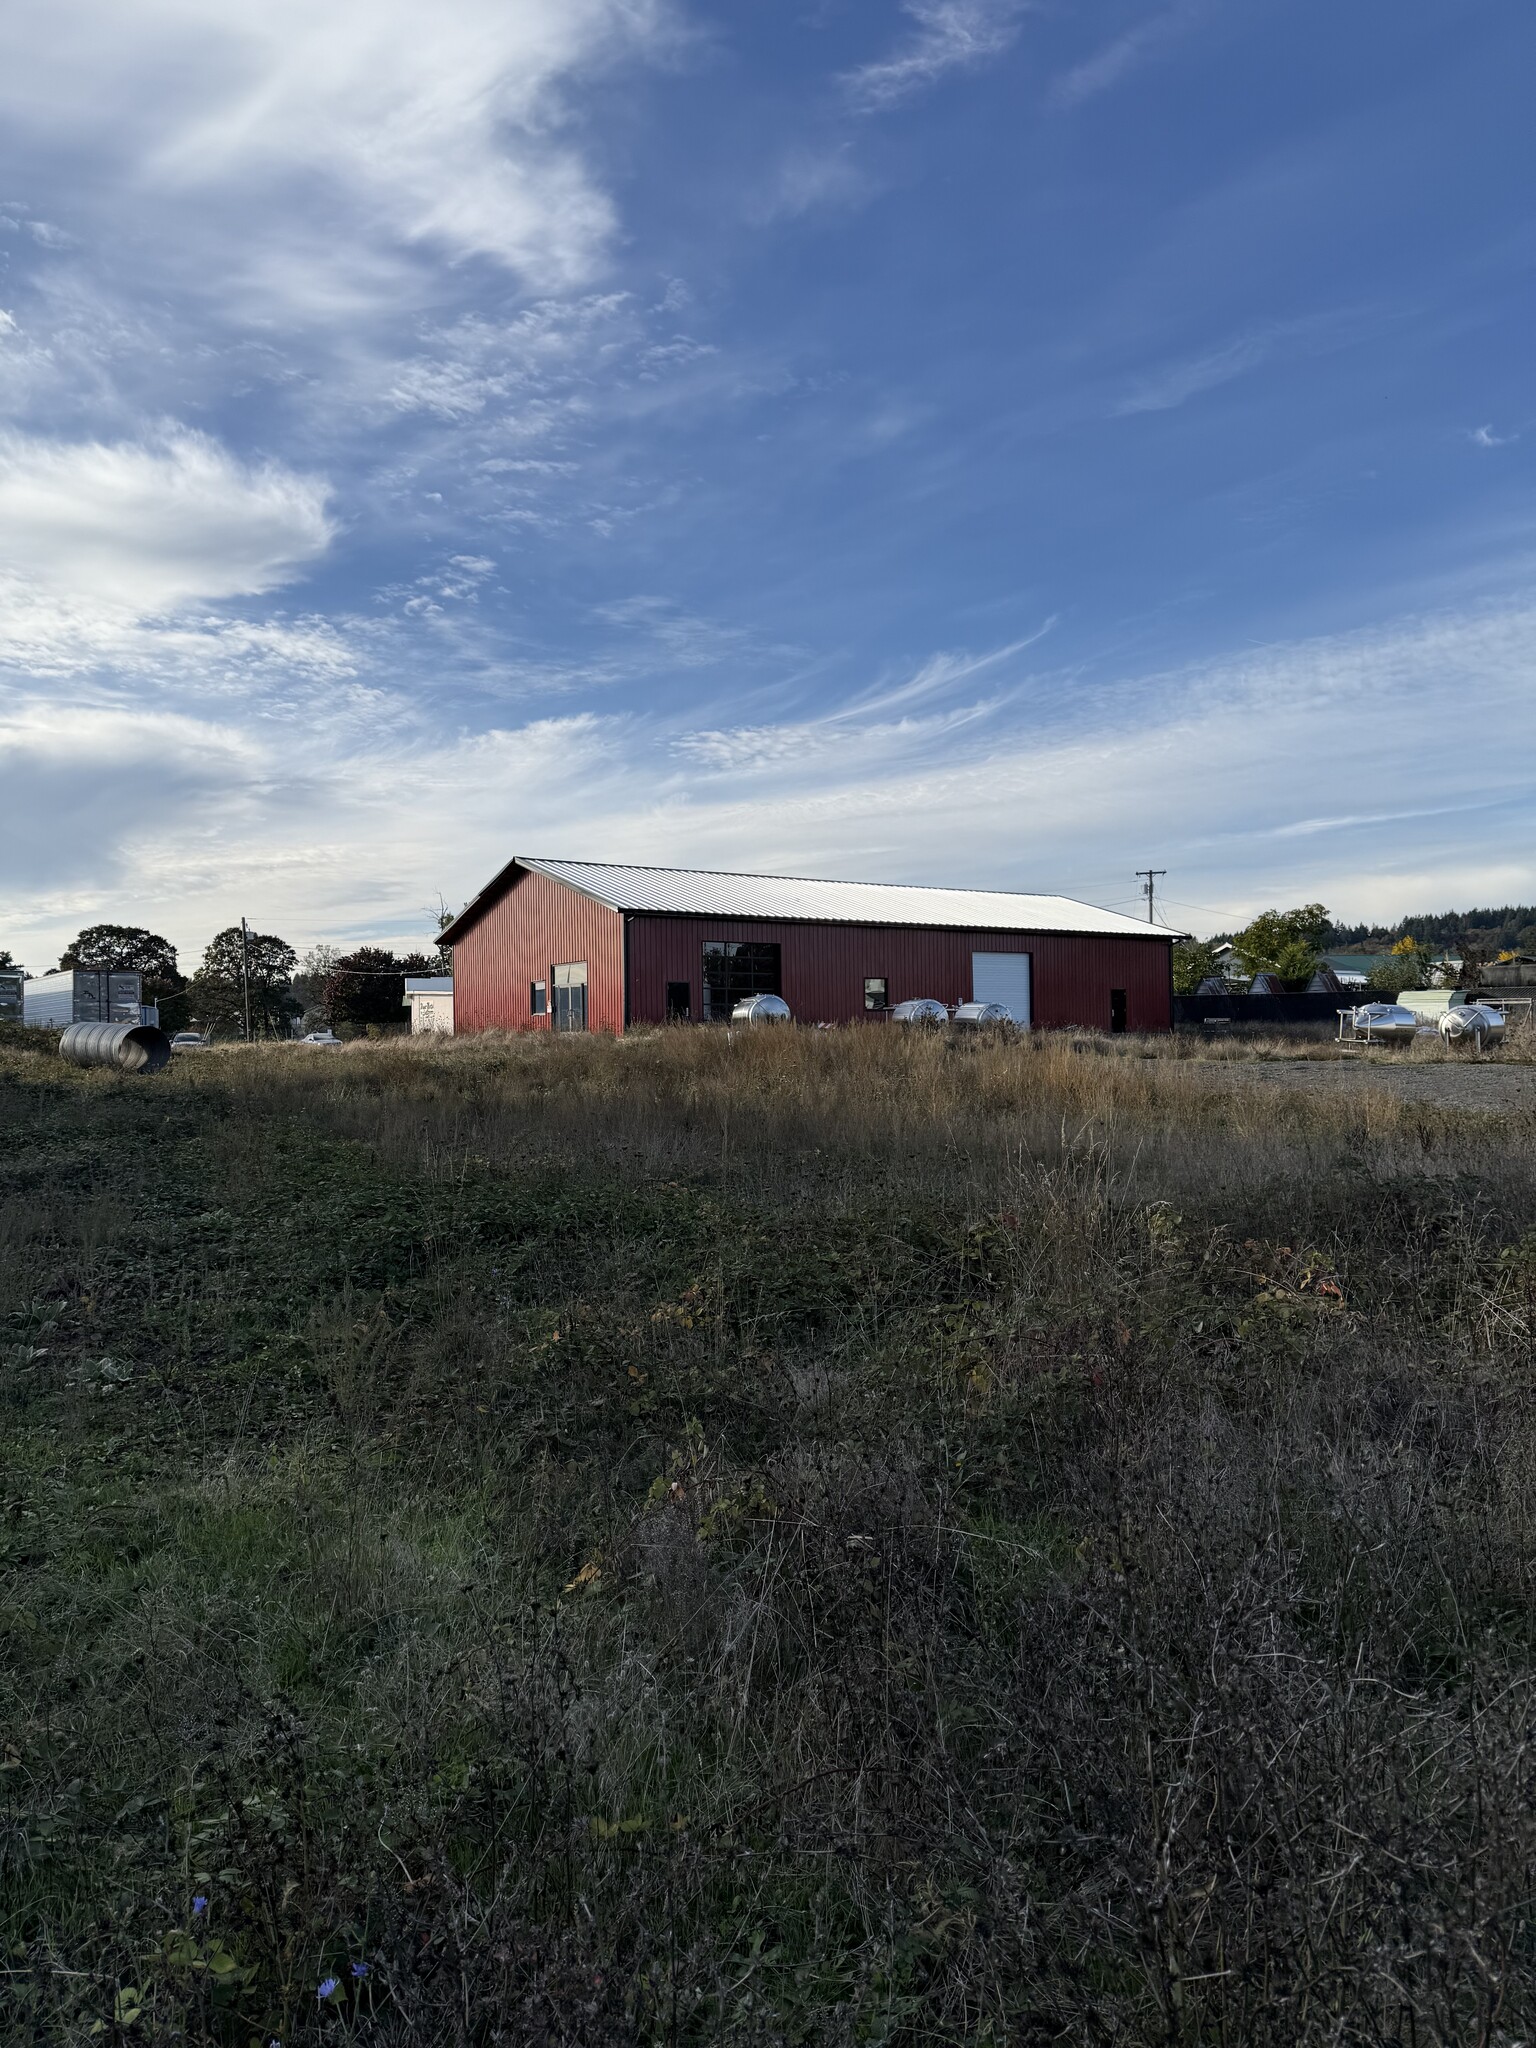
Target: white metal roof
(693,892)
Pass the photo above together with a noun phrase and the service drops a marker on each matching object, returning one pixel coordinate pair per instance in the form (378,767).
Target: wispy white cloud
(452,135)
(1485,437)
(1292,772)
(947,35)
(889,720)
(1206,768)
(808,177)
(1118,58)
(939,674)
(111,556)
(537,361)
(680,638)
(154,524)
(1176,383)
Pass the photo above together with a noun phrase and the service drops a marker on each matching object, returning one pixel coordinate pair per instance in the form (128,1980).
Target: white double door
(1002,978)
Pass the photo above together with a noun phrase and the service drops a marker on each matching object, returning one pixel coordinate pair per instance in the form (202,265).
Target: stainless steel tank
(761,1010)
(131,1048)
(1385,1023)
(1476,1024)
(920,1010)
(978,1015)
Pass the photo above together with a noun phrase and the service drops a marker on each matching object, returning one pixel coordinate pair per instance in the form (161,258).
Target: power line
(1150,877)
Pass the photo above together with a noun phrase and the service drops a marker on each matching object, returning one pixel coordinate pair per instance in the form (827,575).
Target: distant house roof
(1356,963)
(695,892)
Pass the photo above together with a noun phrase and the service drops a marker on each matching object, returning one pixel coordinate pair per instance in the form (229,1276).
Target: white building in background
(430,997)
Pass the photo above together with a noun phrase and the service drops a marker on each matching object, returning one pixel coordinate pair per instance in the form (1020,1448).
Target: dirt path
(1452,1084)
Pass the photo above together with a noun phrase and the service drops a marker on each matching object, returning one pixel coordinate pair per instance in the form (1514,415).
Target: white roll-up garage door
(1002,978)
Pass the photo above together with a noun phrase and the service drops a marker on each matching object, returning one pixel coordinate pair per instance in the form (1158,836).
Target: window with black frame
(877,992)
(735,969)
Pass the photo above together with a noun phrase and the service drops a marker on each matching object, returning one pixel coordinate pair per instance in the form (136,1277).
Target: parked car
(320,1038)
(189,1041)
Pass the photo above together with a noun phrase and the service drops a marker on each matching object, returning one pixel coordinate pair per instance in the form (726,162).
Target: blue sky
(957,441)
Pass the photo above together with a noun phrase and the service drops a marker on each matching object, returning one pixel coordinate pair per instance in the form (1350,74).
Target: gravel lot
(1452,1084)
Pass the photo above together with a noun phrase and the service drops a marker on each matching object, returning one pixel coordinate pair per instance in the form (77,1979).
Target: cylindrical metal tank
(1385,1023)
(132,1048)
(983,1014)
(761,1010)
(920,1010)
(1476,1024)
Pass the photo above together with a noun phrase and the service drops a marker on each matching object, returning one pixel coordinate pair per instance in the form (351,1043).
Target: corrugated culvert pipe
(132,1048)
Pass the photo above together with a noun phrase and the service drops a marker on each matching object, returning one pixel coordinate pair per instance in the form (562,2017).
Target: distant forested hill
(1511,929)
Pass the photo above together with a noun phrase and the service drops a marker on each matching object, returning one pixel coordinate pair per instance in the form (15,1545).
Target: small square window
(538,999)
(877,993)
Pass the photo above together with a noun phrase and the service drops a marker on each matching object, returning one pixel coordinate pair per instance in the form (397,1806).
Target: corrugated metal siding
(825,966)
(537,925)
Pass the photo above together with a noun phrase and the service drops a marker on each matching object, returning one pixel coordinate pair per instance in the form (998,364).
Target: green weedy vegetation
(812,1538)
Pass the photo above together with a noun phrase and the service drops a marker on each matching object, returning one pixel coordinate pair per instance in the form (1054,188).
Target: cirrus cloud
(359,121)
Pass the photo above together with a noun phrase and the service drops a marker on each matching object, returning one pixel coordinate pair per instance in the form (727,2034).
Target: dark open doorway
(1117,1009)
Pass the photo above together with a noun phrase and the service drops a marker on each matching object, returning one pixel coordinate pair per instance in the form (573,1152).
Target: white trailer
(84,995)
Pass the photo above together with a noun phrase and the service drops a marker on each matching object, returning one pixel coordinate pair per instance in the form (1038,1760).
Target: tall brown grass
(815,1537)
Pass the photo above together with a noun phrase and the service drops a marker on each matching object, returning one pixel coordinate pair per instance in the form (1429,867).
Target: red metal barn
(587,945)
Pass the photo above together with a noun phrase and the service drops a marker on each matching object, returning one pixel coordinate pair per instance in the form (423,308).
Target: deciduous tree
(367,987)
(216,994)
(1406,967)
(128,946)
(1283,942)
(1193,961)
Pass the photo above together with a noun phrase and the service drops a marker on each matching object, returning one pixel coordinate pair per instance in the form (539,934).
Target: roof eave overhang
(498,886)
(906,924)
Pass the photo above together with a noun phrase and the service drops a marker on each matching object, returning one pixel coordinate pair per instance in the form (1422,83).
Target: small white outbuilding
(430,997)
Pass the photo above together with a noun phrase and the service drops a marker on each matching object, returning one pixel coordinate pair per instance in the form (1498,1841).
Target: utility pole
(245,966)
(1149,878)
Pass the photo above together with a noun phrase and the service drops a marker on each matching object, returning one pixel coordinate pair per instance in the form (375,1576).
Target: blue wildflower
(359,1969)
(199,1905)
(328,1987)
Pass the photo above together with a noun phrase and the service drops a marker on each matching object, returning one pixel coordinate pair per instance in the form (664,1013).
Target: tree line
(350,992)
(1290,944)
(1488,932)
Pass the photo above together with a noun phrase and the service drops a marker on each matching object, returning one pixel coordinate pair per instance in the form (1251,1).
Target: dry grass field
(808,1537)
